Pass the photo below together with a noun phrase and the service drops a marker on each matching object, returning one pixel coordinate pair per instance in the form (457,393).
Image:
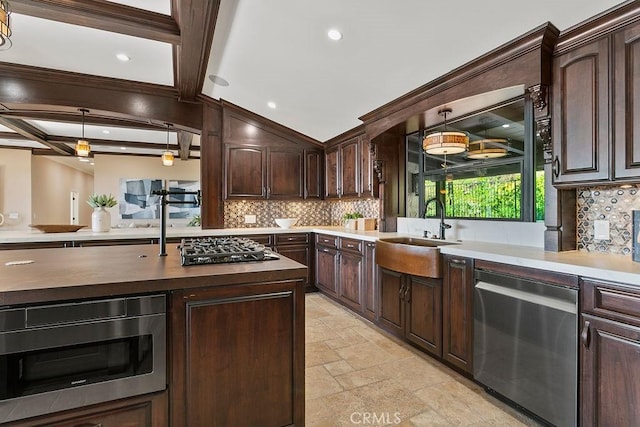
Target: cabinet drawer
(292,239)
(613,300)
(352,245)
(263,239)
(326,240)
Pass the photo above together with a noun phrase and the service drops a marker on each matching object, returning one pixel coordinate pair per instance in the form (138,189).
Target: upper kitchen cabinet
(264,160)
(596,132)
(349,167)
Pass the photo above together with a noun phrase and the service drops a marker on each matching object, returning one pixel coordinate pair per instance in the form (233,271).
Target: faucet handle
(426,234)
(446,225)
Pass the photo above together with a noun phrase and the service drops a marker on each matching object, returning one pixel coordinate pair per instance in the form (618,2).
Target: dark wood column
(212,210)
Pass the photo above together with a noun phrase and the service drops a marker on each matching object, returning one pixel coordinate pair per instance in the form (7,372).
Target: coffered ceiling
(268,51)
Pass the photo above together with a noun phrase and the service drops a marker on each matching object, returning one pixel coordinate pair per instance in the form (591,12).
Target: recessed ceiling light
(506,125)
(271,104)
(334,34)
(218,80)
(123,57)
(123,148)
(92,163)
(106,132)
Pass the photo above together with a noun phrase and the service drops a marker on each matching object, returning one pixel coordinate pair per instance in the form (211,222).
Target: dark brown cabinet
(581,128)
(249,368)
(342,172)
(457,312)
(313,174)
(296,246)
(350,273)
(369,180)
(610,344)
(411,307)
(595,125)
(267,173)
(326,267)
(143,411)
(370,286)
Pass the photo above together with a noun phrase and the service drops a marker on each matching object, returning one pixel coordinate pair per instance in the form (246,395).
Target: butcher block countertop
(44,275)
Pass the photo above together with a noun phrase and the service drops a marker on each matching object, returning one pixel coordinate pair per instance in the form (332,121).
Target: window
(508,187)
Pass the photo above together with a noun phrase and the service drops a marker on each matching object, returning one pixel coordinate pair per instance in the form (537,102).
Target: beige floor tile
(319,382)
(318,353)
(364,355)
(390,397)
(428,418)
(415,373)
(338,368)
(362,377)
(315,332)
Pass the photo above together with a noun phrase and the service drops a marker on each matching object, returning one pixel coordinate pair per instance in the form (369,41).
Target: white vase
(100,220)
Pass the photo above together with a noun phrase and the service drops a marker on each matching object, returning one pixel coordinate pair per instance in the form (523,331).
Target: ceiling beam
(74,117)
(104,15)
(117,143)
(12,135)
(35,134)
(197,22)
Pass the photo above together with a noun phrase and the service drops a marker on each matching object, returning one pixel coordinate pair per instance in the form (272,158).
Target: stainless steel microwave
(63,356)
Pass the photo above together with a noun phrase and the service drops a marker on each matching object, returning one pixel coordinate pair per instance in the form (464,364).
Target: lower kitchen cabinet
(238,355)
(457,312)
(370,286)
(350,273)
(141,411)
(411,307)
(296,246)
(610,337)
(327,264)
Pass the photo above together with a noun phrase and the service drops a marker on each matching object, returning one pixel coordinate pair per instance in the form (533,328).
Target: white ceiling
(279,51)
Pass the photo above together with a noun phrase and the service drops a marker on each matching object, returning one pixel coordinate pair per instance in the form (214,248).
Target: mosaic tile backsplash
(319,212)
(613,204)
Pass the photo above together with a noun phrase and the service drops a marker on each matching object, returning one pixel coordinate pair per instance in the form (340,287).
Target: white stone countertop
(603,266)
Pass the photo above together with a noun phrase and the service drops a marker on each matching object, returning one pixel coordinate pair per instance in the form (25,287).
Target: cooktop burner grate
(218,250)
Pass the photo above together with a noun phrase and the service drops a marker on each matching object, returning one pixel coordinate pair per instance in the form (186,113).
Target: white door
(74,207)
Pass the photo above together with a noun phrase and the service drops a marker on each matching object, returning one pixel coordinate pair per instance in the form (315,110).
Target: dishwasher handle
(534,298)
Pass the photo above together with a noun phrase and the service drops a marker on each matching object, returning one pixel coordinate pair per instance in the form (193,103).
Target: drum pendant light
(443,143)
(5,27)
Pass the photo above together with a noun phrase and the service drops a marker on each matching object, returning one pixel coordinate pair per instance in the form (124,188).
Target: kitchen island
(235,340)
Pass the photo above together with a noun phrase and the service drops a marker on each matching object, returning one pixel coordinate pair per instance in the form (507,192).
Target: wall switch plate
(249,219)
(601,230)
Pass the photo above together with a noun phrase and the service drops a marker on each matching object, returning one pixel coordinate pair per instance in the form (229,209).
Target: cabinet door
(424,313)
(350,168)
(369,286)
(610,379)
(285,174)
(326,269)
(369,181)
(236,356)
(245,172)
(299,253)
(581,131)
(332,173)
(351,278)
(312,174)
(626,53)
(457,310)
(391,308)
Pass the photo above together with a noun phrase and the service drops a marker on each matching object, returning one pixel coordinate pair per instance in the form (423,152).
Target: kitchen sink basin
(411,255)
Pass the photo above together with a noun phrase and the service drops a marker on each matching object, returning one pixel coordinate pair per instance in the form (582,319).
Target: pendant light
(487,148)
(167,156)
(5,28)
(443,143)
(82,147)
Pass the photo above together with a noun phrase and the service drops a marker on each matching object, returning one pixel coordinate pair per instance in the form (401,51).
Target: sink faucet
(440,205)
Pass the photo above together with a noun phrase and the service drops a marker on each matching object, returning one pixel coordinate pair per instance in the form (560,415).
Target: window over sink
(500,176)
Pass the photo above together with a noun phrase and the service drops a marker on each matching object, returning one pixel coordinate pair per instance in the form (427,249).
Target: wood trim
(103,15)
(598,26)
(74,117)
(519,62)
(104,97)
(345,136)
(211,167)
(35,134)
(529,273)
(267,125)
(117,143)
(197,22)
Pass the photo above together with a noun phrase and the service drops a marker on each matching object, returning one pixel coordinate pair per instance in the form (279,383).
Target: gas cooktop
(218,250)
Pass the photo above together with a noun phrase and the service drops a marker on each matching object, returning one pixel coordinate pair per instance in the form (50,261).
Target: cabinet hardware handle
(458,261)
(586,334)
(268,192)
(350,246)
(407,294)
(555,167)
(401,291)
(325,250)
(89,425)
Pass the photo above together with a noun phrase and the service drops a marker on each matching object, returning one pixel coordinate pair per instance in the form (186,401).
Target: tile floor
(356,374)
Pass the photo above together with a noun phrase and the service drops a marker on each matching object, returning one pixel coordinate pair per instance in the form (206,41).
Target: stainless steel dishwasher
(526,344)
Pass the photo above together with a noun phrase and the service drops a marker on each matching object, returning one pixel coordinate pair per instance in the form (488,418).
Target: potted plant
(101,218)
(350,219)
